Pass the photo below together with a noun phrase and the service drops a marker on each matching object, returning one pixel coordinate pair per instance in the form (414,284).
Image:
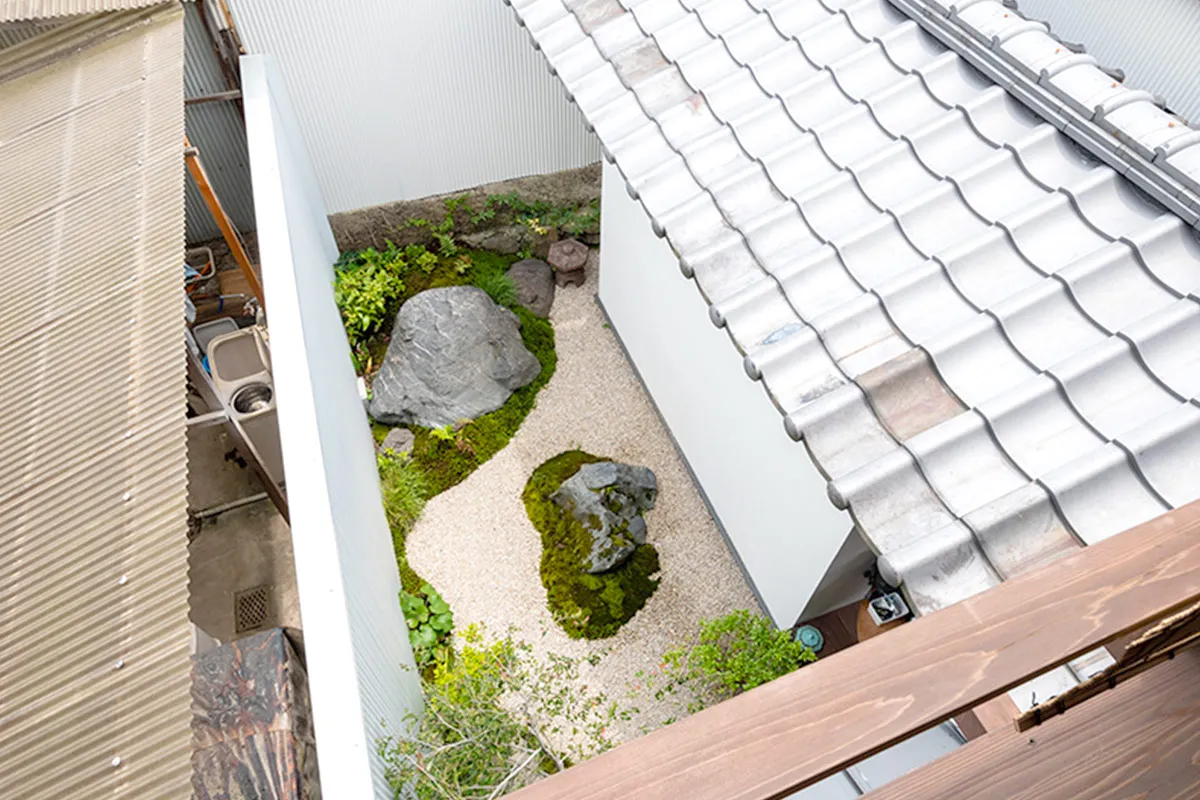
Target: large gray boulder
(454,355)
(608,499)
(535,285)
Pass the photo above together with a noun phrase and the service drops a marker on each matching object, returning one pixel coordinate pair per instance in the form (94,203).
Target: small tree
(733,654)
(496,718)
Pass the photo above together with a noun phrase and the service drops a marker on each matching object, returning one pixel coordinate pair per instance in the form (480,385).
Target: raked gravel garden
(565,587)
(476,544)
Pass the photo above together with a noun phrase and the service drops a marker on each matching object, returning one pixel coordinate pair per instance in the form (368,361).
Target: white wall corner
(362,679)
(768,497)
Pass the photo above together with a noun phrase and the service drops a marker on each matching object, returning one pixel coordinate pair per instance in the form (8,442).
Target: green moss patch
(586,606)
(442,458)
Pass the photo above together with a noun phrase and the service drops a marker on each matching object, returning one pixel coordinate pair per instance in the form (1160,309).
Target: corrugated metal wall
(94,632)
(405,98)
(216,129)
(1153,42)
(15,32)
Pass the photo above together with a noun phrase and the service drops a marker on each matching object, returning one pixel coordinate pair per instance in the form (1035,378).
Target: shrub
(733,654)
(586,606)
(496,719)
(365,295)
(430,623)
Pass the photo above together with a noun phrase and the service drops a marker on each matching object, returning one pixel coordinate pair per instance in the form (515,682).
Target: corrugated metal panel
(405,99)
(988,340)
(1154,43)
(16,32)
(40,9)
(94,634)
(216,129)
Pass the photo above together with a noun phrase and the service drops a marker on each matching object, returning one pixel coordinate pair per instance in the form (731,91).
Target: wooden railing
(803,727)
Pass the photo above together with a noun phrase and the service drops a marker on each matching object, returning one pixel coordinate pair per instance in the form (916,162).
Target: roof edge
(77,34)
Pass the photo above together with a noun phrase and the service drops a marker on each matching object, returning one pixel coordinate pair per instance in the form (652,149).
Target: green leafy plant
(584,605)
(420,257)
(497,718)
(540,215)
(446,433)
(365,294)
(430,623)
(732,654)
(442,232)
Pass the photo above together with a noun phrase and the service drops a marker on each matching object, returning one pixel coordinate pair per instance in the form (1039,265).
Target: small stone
(506,239)
(568,257)
(609,499)
(399,441)
(535,285)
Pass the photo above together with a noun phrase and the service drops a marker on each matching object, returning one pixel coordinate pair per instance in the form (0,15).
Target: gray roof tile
(986,338)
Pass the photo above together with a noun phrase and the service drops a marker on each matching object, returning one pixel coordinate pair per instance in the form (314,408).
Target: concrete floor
(241,549)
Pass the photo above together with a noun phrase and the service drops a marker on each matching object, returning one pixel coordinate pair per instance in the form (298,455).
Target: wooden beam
(1140,740)
(232,94)
(1161,643)
(196,168)
(997,714)
(794,731)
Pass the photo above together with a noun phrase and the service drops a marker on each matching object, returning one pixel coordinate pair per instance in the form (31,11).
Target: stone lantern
(568,258)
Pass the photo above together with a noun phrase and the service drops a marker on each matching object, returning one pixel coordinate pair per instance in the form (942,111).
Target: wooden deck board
(1140,740)
(801,728)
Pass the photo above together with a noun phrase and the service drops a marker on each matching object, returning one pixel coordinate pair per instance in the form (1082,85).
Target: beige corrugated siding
(41,9)
(93,474)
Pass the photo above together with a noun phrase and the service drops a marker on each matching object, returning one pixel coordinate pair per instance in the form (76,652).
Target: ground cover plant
(585,606)
(539,216)
(496,718)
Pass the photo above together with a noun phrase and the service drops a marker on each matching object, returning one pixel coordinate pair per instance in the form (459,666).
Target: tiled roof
(987,338)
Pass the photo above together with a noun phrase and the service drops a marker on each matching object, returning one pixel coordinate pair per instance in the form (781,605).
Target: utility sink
(240,363)
(237,358)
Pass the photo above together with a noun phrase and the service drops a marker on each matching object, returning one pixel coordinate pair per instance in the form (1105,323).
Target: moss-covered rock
(586,606)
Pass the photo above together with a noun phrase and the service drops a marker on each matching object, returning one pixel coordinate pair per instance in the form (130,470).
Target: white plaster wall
(767,495)
(356,642)
(398,99)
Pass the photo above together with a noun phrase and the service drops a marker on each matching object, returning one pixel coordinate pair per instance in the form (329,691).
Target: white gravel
(477,546)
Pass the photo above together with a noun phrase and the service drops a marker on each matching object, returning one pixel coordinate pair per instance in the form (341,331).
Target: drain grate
(251,608)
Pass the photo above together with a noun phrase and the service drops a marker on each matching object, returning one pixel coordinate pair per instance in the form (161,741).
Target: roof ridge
(1128,129)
